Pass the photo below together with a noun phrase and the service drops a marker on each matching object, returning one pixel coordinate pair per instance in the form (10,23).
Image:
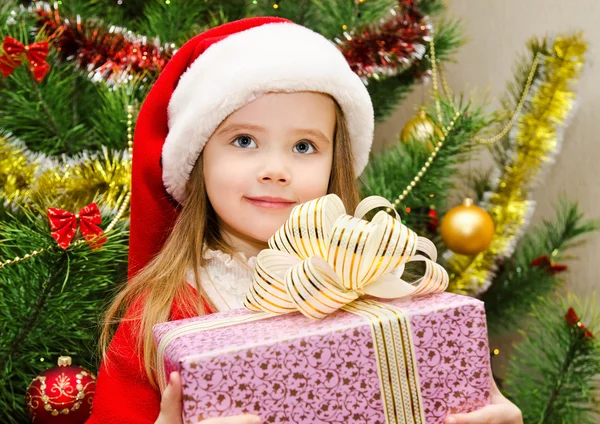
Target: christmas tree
(72,85)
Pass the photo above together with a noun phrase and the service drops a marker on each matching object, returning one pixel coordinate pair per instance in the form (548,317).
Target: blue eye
(304,147)
(244,142)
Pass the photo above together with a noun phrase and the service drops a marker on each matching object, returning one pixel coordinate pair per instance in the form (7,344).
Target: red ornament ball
(61,395)
(433,220)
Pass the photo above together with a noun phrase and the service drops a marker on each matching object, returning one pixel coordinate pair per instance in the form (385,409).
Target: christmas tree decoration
(544,261)
(421,128)
(108,54)
(389,48)
(467,229)
(15,52)
(71,183)
(539,117)
(61,395)
(573,320)
(64,226)
(432,220)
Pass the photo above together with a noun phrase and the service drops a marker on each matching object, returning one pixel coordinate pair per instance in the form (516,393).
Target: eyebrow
(238,127)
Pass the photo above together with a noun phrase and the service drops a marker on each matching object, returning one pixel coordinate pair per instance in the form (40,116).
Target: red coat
(123,392)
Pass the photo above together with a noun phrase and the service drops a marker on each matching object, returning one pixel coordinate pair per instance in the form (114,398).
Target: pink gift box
(289,368)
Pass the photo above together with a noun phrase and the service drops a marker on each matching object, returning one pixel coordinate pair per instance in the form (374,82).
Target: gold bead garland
(446,129)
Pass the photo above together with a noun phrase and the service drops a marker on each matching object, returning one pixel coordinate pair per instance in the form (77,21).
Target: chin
(263,234)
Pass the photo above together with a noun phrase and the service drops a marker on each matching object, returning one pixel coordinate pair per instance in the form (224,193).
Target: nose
(274,170)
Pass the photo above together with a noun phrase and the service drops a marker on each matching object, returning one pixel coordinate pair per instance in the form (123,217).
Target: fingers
(171,401)
(172,393)
(491,414)
(481,416)
(238,419)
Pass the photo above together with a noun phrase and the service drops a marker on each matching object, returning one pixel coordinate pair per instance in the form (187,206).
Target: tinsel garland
(534,142)
(113,53)
(389,48)
(68,183)
(109,54)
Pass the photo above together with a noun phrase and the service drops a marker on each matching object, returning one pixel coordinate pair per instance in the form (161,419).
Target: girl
(246,121)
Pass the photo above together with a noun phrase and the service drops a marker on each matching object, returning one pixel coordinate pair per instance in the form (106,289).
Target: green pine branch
(50,304)
(327,17)
(50,116)
(552,374)
(518,285)
(177,22)
(66,113)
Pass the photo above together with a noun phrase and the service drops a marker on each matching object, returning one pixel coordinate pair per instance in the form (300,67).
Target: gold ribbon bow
(322,259)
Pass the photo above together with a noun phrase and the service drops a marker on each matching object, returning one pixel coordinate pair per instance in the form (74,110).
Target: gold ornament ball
(420,128)
(467,229)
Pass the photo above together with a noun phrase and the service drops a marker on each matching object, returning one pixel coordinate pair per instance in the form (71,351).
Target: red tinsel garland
(389,48)
(114,54)
(110,54)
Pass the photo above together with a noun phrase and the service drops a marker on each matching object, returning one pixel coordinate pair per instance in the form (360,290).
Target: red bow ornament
(64,226)
(573,320)
(544,261)
(15,52)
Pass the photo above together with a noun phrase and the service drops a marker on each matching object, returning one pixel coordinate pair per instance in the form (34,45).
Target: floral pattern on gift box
(449,385)
(330,378)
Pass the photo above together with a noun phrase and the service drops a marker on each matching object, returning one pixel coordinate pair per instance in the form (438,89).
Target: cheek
(225,177)
(312,183)
(225,184)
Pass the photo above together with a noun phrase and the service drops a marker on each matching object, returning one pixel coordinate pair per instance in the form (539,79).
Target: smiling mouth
(270,202)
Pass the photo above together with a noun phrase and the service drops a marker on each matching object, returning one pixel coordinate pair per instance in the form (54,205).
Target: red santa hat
(210,77)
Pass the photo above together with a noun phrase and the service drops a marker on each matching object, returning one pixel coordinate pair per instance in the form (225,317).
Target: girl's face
(264,159)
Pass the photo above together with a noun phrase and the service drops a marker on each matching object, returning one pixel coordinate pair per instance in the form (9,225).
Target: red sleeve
(123,392)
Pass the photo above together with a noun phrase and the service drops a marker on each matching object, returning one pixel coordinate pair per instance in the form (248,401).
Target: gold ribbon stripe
(396,361)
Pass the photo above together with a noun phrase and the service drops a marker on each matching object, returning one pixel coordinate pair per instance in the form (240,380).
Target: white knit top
(225,279)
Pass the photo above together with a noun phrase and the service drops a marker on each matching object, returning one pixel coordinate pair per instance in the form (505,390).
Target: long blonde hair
(153,289)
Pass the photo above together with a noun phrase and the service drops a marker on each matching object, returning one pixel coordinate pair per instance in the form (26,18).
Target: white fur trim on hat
(276,57)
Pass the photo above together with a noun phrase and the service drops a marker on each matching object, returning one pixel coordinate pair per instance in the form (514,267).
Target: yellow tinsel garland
(535,141)
(69,183)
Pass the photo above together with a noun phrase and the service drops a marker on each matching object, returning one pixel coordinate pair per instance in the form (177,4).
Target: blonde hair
(148,297)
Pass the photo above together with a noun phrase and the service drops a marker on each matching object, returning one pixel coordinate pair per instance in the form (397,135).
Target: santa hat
(210,77)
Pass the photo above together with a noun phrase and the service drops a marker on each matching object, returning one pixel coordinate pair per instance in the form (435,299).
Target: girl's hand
(171,403)
(501,411)
(171,406)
